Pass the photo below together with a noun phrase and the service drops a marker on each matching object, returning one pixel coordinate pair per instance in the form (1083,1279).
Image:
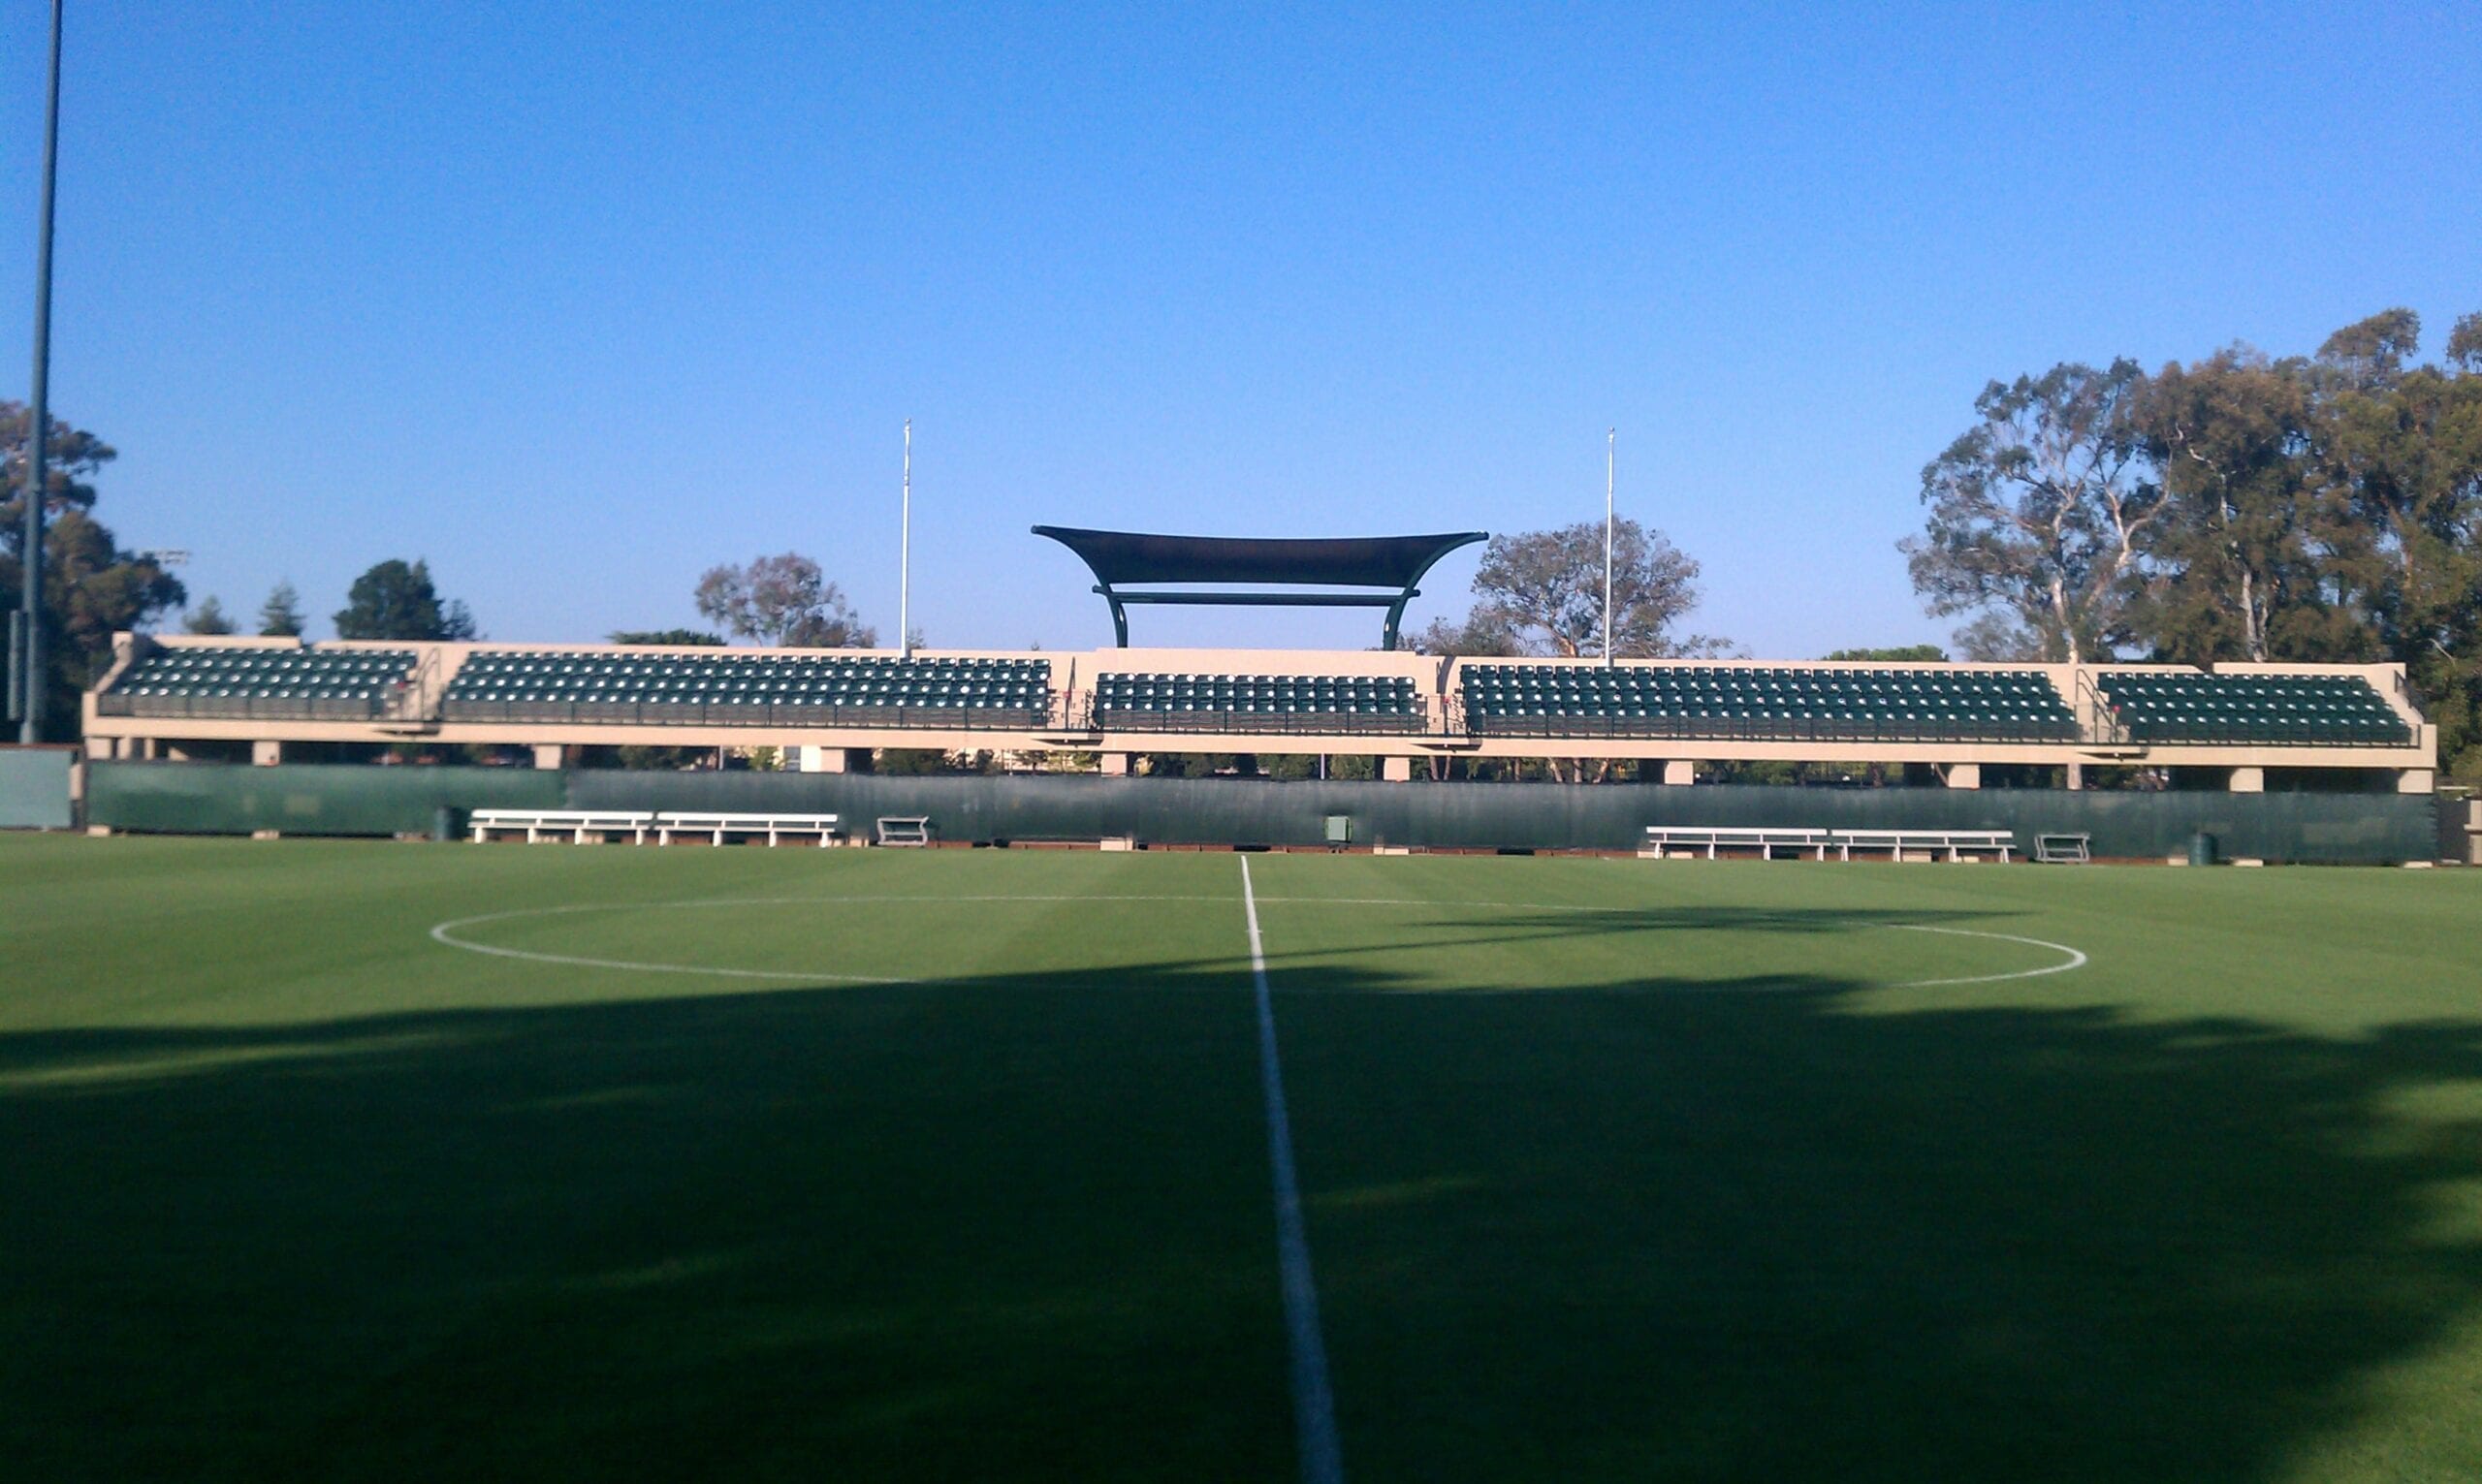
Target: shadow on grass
(941,1231)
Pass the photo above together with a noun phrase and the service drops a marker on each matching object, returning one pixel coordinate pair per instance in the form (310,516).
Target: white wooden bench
(905,830)
(719,827)
(2063,850)
(575,824)
(1897,842)
(1661,839)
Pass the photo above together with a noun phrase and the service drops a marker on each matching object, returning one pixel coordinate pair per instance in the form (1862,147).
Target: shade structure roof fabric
(1358,561)
(1391,563)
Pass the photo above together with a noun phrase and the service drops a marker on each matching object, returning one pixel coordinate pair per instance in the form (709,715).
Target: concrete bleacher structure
(1778,702)
(2313,709)
(1190,700)
(743,688)
(227,679)
(163,695)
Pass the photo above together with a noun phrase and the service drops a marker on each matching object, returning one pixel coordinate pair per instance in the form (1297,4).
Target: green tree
(92,588)
(1998,638)
(2037,511)
(2398,454)
(394,600)
(675,636)
(208,618)
(782,600)
(1482,634)
(280,616)
(1541,593)
(1906,655)
(2234,564)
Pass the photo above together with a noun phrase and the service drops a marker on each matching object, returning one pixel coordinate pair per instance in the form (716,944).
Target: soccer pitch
(370,1161)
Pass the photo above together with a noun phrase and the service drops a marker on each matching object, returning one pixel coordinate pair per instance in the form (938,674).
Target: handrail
(407,703)
(2109,730)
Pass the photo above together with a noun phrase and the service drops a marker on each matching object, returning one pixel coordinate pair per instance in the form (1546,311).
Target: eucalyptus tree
(2238,561)
(782,600)
(2038,511)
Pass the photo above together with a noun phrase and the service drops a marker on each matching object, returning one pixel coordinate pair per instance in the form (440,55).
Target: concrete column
(1115,765)
(147,749)
(266,754)
(547,756)
(2248,780)
(1396,770)
(1961,775)
(1680,771)
(2416,780)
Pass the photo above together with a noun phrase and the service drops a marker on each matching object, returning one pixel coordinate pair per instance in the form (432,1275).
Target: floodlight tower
(29,699)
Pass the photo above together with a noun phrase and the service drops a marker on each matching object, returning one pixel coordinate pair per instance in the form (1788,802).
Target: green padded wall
(33,788)
(301,798)
(345,799)
(2339,828)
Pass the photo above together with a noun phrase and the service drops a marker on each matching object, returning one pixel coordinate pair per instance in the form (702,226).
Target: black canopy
(1391,563)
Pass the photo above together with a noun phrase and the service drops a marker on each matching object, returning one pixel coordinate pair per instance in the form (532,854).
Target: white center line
(1314,1400)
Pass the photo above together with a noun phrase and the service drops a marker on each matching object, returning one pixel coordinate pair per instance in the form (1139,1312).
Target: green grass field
(948,1165)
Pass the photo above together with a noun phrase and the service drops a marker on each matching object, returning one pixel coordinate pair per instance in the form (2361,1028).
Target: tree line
(2241,506)
(2323,508)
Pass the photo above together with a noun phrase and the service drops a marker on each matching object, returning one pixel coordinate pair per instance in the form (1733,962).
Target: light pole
(904,556)
(1610,467)
(39,418)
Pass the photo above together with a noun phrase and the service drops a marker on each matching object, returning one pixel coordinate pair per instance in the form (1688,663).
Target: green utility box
(1339,831)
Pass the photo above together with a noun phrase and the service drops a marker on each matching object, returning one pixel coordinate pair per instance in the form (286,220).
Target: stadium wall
(356,800)
(34,787)
(301,798)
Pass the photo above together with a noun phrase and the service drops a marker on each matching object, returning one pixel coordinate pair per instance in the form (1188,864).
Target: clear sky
(576,301)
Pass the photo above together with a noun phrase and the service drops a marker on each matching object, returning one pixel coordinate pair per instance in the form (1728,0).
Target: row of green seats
(2186,707)
(254,672)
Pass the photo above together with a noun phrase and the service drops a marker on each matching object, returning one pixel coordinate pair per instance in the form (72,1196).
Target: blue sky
(576,301)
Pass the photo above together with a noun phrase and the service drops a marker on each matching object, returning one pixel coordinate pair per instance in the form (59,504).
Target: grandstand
(166,695)
(2353,727)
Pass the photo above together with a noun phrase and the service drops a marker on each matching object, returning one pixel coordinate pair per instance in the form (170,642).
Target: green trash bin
(2202,849)
(447,824)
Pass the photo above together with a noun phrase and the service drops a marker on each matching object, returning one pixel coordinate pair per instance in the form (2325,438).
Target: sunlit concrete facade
(117,728)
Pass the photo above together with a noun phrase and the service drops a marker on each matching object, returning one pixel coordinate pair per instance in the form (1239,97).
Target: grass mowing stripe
(1313,1399)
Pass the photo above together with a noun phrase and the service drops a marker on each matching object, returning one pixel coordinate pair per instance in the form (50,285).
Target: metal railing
(2109,730)
(744,713)
(371,708)
(1484,723)
(405,697)
(1130,718)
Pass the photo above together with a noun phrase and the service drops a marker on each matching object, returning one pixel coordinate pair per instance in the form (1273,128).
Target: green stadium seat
(1762,703)
(2177,706)
(749,687)
(1155,702)
(258,681)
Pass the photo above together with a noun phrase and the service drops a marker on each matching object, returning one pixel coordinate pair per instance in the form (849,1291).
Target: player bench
(719,827)
(1897,844)
(1661,839)
(905,830)
(2063,850)
(576,823)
